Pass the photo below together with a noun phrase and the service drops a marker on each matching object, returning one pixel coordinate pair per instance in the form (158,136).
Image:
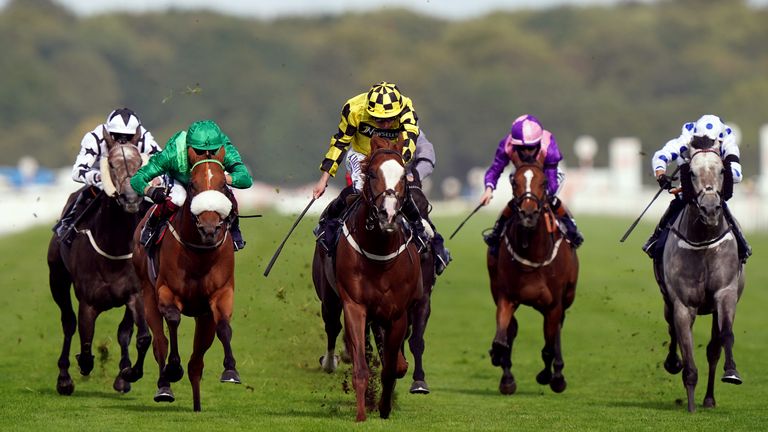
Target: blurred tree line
(277,87)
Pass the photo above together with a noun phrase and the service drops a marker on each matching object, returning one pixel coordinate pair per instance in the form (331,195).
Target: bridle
(224,223)
(372,198)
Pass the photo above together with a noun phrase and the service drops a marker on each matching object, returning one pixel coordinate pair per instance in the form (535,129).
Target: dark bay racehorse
(98,265)
(536,267)
(377,273)
(418,312)
(195,277)
(702,275)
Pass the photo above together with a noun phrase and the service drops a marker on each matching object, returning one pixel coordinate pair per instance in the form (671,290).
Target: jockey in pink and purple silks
(529,142)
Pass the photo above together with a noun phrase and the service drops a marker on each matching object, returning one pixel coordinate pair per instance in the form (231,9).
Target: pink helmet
(526,130)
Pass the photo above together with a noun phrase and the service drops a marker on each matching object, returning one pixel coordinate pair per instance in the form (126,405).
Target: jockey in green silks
(204,135)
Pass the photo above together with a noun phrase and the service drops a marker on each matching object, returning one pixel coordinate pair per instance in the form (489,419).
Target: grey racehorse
(702,275)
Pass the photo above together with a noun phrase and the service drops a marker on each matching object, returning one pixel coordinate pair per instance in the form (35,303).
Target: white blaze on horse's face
(211,200)
(707,178)
(528,174)
(392,172)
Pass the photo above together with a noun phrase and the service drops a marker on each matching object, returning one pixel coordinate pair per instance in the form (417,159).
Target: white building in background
(615,190)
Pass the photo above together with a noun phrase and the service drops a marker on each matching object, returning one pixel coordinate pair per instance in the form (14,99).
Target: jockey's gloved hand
(665,181)
(156,194)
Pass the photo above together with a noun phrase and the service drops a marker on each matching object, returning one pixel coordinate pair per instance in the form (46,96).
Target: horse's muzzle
(710,208)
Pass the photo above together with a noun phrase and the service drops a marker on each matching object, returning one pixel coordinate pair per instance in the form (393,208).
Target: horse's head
(706,169)
(210,206)
(122,162)
(384,188)
(529,187)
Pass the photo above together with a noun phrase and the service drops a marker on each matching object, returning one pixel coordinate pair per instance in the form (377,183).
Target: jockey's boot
(237,235)
(327,227)
(493,238)
(745,250)
(562,213)
(411,212)
(669,216)
(159,213)
(64,228)
(442,254)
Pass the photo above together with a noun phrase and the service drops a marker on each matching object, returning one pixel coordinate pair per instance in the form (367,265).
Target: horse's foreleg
(172,371)
(204,333)
(124,333)
(551,354)
(60,281)
(143,339)
(713,356)
(221,305)
(85,328)
(726,300)
(393,341)
(684,318)
(500,348)
(419,315)
(672,364)
(331,311)
(354,333)
(159,342)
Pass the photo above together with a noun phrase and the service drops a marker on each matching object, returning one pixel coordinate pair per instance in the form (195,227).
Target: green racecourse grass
(613,342)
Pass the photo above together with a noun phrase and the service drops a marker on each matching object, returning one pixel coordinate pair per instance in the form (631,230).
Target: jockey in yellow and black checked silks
(358,124)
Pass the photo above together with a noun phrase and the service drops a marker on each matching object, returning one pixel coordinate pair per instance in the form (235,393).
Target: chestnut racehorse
(195,277)
(377,274)
(536,267)
(98,265)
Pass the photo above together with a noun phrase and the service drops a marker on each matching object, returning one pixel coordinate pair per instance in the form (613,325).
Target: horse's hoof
(65,386)
(557,384)
(121,385)
(709,402)
(345,357)
(544,377)
(164,394)
(419,387)
(731,377)
(507,385)
(173,372)
(131,375)
(329,365)
(673,365)
(230,376)
(85,362)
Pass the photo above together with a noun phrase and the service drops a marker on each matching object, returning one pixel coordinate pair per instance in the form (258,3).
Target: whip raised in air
(465,220)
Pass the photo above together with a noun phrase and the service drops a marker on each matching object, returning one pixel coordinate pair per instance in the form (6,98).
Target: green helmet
(205,135)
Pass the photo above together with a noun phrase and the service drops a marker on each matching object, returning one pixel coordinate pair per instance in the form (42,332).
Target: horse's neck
(374,240)
(690,225)
(535,244)
(111,225)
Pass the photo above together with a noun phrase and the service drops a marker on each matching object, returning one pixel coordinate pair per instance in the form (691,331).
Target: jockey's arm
(424,157)
(500,161)
(238,173)
(731,154)
(410,133)
(86,170)
(670,152)
(157,165)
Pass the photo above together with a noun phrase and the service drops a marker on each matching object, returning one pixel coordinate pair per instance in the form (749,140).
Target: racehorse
(195,277)
(376,272)
(98,265)
(418,312)
(702,274)
(535,267)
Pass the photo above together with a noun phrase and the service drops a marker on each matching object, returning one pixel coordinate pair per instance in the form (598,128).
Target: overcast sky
(454,9)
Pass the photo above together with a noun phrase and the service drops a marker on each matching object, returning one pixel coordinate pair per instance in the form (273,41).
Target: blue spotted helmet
(710,126)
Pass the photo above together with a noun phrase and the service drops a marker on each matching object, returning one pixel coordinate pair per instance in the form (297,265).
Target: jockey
(122,124)
(707,130)
(528,142)
(384,111)
(204,135)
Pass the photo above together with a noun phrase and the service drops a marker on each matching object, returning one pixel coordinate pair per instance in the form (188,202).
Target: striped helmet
(122,121)
(384,100)
(526,130)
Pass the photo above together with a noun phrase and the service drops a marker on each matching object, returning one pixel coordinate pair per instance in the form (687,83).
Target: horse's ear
(107,138)
(377,143)
(515,158)
(136,136)
(398,145)
(220,153)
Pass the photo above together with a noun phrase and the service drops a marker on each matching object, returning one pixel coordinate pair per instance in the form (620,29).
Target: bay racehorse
(98,264)
(377,275)
(536,267)
(418,312)
(702,274)
(195,277)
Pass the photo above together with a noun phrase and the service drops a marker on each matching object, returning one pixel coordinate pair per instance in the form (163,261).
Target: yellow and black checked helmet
(384,100)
